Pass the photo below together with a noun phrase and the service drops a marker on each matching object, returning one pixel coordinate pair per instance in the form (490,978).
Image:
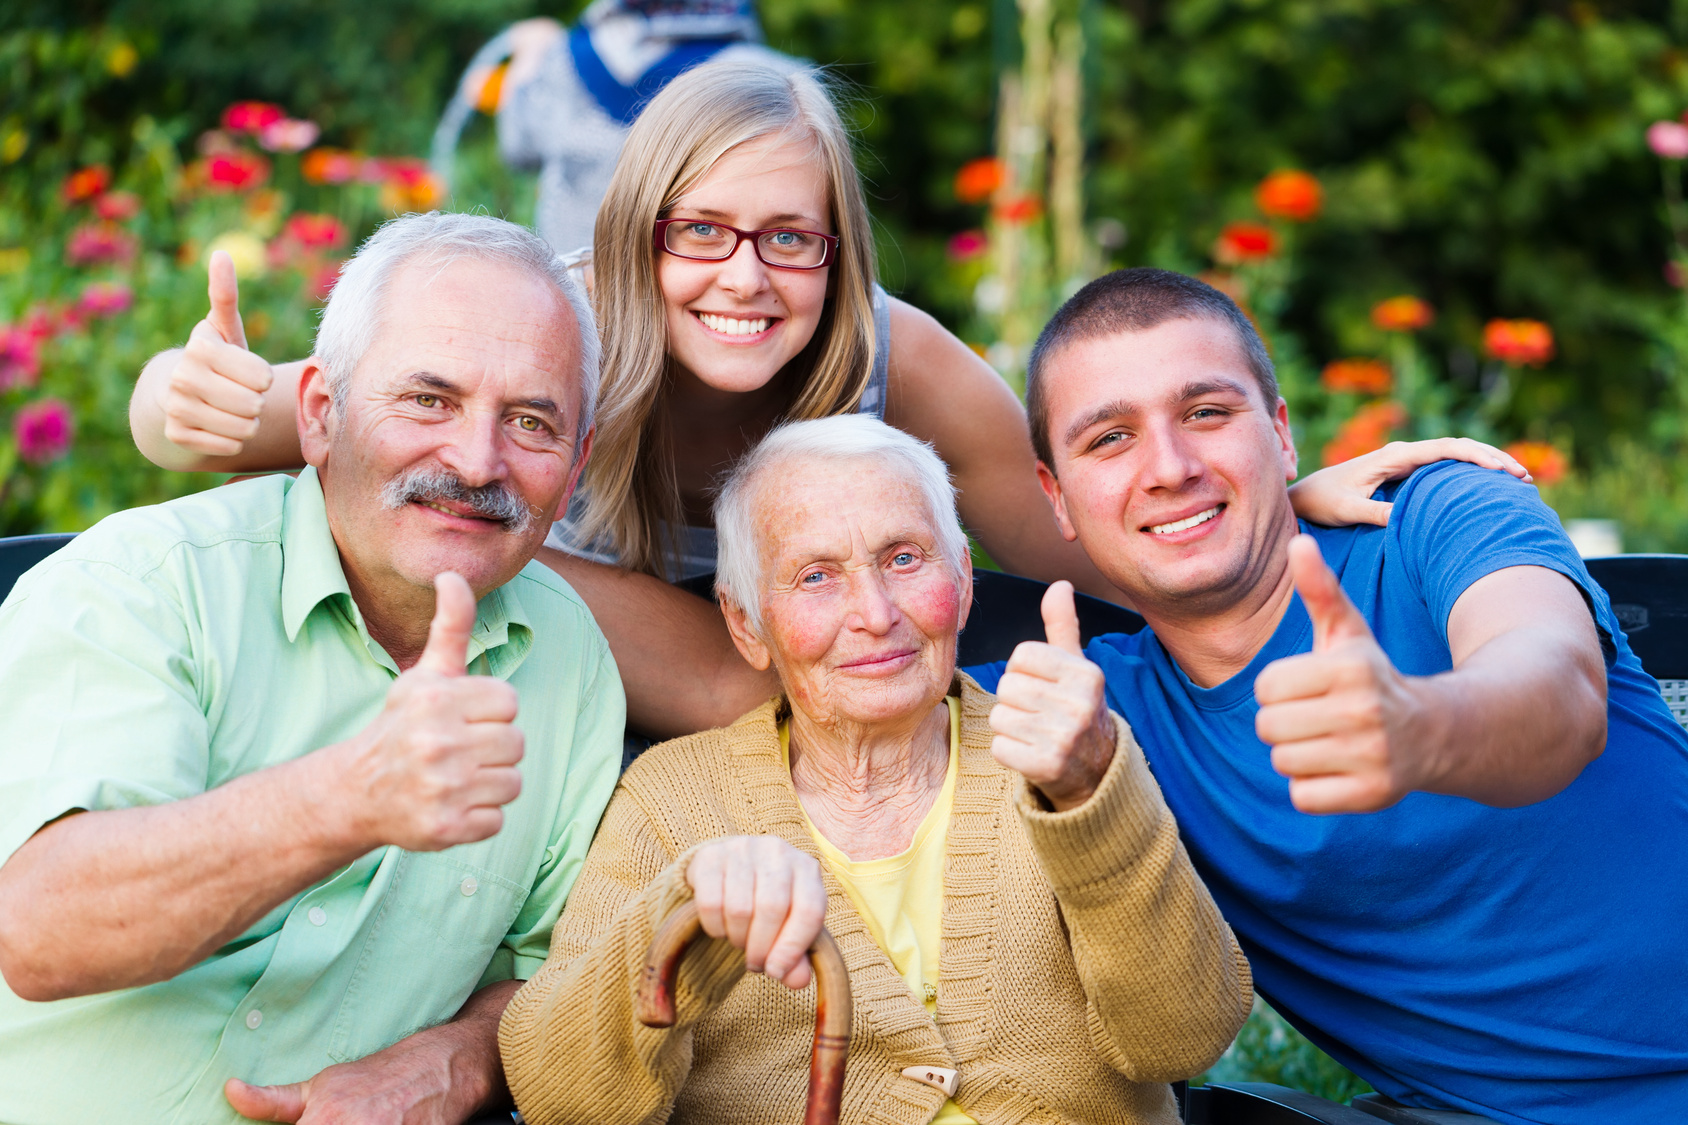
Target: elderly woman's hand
(1051,718)
(765,897)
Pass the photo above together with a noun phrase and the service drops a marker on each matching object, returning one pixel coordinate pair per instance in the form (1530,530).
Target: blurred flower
(105,298)
(244,248)
(330,166)
(1668,139)
(235,171)
(13,145)
(967,245)
(122,59)
(290,134)
(1026,209)
(1402,314)
(14,259)
(86,183)
(20,358)
(1367,430)
(1357,376)
(1245,242)
(1674,275)
(43,430)
(251,117)
(1227,283)
(492,89)
(315,232)
(321,283)
(213,141)
(41,323)
(1544,461)
(117,205)
(94,243)
(408,185)
(1291,195)
(263,211)
(979,179)
(1522,342)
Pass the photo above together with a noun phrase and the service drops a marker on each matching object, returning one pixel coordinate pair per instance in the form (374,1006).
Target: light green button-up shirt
(170,649)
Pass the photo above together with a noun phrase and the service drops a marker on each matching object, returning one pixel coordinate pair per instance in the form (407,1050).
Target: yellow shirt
(901,897)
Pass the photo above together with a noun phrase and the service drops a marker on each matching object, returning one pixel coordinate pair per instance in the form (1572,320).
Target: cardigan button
(941,1077)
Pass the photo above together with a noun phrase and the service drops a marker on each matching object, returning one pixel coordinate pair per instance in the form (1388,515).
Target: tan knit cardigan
(1083,967)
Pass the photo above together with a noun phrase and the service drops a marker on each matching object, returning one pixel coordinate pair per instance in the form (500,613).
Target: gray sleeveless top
(698,543)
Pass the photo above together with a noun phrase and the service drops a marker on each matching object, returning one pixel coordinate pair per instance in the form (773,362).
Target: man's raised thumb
(447,653)
(266,1103)
(224,289)
(1060,617)
(1334,616)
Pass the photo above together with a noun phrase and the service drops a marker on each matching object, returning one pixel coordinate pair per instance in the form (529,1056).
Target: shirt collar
(311,574)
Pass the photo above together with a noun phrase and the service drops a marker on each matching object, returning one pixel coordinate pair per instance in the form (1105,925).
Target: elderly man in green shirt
(295,775)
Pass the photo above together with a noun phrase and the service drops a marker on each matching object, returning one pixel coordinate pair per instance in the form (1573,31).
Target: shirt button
(930,989)
(317,915)
(253,1019)
(468,886)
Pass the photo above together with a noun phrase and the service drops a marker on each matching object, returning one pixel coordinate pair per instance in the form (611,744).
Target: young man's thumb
(1334,616)
(447,653)
(1060,617)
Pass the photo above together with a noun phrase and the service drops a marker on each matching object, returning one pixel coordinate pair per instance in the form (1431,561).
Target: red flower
(105,298)
(1357,376)
(1544,461)
(43,430)
(1245,242)
(315,232)
(86,183)
(1367,430)
(1026,209)
(117,206)
(407,184)
(967,245)
(1520,342)
(1402,314)
(1291,195)
(94,243)
(235,171)
(20,358)
(979,179)
(251,117)
(41,324)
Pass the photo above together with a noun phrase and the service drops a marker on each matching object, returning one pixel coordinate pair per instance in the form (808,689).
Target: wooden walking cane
(832,1004)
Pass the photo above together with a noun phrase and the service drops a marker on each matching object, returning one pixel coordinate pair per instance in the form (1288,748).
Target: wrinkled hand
(1340,719)
(216,391)
(398,1086)
(436,767)
(765,897)
(1340,495)
(1051,722)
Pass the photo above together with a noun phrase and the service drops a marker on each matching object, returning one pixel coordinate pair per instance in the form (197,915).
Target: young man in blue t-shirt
(1504,928)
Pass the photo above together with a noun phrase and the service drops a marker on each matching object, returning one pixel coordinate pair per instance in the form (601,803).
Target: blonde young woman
(734,288)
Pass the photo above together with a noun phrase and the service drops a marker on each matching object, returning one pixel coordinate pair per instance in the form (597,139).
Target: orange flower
(979,179)
(330,166)
(1367,430)
(86,183)
(1245,242)
(1522,342)
(1402,314)
(1026,209)
(1544,461)
(407,184)
(1291,195)
(1358,376)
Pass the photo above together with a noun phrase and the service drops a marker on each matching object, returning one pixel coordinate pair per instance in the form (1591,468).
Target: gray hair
(353,313)
(840,438)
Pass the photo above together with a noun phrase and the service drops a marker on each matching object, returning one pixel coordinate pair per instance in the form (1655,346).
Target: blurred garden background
(1447,216)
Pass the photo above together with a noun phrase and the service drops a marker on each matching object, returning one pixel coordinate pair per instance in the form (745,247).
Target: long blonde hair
(630,490)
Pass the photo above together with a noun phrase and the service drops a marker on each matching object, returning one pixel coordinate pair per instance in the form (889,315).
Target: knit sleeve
(572,1049)
(1168,987)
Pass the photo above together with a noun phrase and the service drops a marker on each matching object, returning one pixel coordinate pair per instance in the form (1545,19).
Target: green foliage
(1268,1049)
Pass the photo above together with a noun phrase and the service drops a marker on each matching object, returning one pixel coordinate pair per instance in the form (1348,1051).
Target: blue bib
(622,102)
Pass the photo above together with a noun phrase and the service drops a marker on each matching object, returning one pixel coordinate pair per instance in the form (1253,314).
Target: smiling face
(1170,468)
(734,324)
(860,609)
(473,377)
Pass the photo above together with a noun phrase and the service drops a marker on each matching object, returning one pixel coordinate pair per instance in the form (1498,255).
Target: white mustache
(494,501)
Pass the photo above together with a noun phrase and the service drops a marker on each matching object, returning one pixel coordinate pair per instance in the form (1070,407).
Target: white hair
(353,313)
(840,438)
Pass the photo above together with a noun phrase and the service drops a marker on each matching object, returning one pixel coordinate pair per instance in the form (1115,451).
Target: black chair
(1650,598)
(21,552)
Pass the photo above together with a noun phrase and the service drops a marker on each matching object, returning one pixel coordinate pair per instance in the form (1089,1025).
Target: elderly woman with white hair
(1025,936)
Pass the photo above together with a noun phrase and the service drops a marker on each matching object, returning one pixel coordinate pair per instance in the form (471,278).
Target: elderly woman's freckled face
(860,609)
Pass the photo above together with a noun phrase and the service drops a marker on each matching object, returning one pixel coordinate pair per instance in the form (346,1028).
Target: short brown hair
(1135,300)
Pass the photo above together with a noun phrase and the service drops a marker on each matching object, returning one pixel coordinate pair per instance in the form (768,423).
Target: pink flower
(1668,139)
(117,205)
(105,298)
(967,245)
(93,243)
(20,358)
(251,117)
(290,134)
(43,430)
(315,232)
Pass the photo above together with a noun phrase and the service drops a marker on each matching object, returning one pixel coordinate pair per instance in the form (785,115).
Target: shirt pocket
(438,925)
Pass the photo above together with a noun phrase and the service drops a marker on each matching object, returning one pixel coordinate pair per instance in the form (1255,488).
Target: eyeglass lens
(775,247)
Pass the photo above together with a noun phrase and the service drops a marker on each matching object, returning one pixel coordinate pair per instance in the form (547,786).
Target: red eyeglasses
(781,247)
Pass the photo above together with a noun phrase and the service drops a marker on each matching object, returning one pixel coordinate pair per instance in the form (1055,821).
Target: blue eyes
(903,558)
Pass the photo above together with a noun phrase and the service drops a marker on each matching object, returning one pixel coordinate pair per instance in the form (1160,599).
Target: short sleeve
(1455,523)
(100,708)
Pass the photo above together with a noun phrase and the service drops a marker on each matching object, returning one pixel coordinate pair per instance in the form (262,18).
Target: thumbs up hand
(216,391)
(1342,722)
(1051,719)
(436,766)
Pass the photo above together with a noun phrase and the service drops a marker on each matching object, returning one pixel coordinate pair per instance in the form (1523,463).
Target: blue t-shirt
(1529,964)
